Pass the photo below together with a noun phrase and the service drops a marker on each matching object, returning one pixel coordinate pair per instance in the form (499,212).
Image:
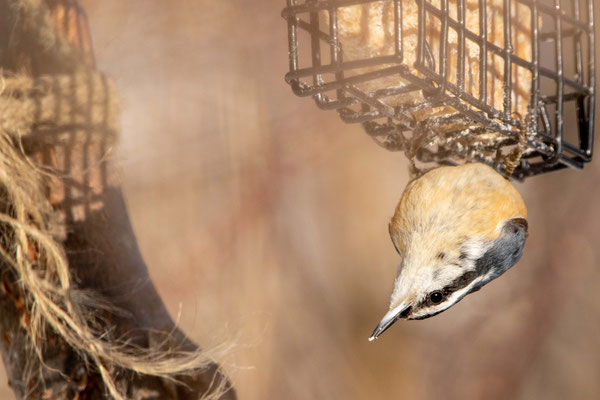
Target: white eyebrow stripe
(474,248)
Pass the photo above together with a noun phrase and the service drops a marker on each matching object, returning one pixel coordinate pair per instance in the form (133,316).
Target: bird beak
(388,319)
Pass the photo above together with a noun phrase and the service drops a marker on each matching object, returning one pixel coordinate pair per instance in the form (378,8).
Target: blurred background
(263,221)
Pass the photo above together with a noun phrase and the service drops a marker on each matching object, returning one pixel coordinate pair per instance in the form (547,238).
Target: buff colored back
(450,204)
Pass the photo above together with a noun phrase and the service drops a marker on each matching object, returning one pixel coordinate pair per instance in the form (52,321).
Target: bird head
(456,228)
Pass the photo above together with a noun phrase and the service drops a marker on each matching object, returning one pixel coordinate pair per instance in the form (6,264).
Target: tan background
(264,220)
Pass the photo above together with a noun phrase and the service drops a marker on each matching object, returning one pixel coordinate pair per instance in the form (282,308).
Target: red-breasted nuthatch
(456,228)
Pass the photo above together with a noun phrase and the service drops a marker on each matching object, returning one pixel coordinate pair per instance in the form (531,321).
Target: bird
(456,228)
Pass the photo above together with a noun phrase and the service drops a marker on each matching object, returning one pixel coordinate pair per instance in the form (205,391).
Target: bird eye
(436,297)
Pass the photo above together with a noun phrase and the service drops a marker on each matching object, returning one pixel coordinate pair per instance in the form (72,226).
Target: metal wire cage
(449,81)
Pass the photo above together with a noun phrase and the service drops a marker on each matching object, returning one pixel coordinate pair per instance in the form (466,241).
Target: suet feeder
(453,81)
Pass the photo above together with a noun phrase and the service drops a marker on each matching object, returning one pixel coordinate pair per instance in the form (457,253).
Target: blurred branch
(80,315)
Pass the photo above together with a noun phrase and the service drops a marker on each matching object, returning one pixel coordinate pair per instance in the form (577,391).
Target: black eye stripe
(459,283)
(406,312)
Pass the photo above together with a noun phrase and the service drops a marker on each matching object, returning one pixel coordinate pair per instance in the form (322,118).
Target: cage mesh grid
(561,65)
